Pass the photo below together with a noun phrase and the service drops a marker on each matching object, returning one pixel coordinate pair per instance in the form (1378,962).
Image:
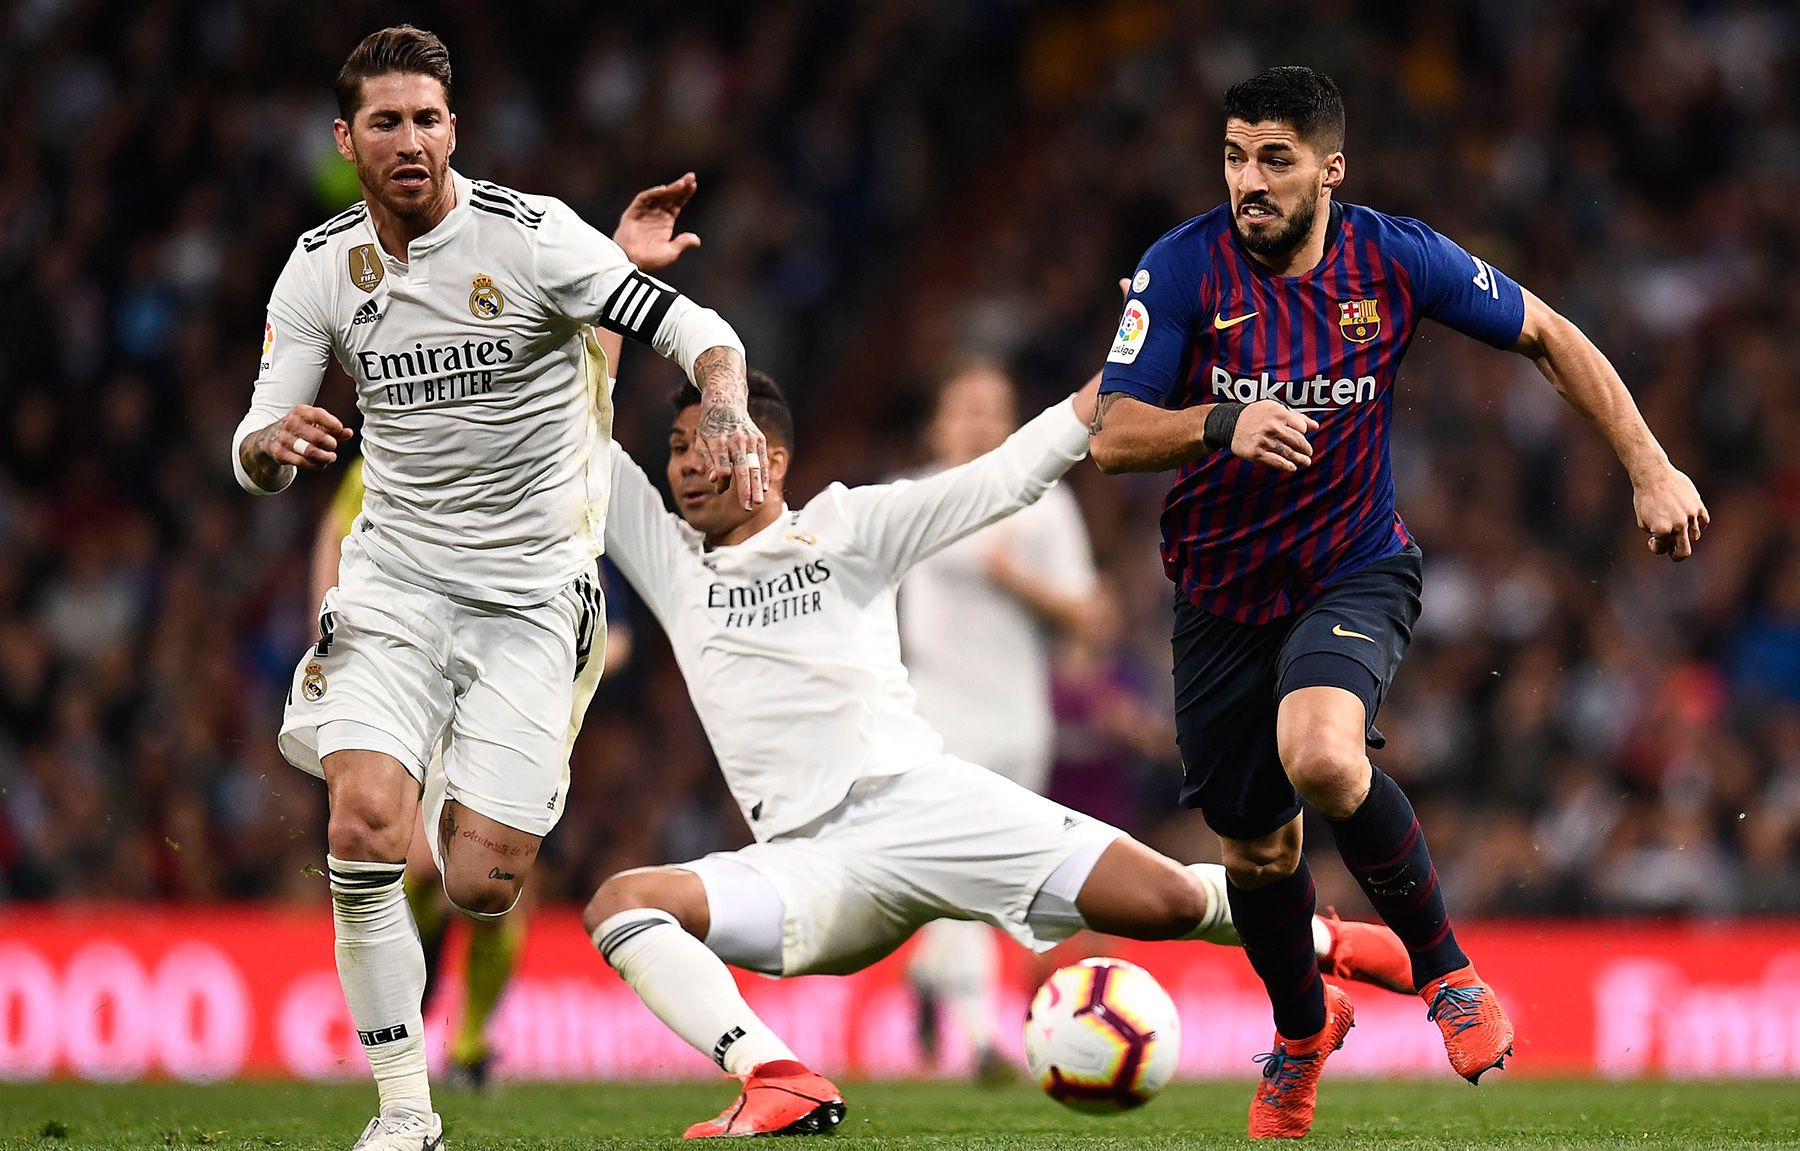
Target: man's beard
(403,206)
(1279,241)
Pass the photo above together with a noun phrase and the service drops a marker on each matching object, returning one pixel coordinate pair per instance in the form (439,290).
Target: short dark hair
(401,48)
(1299,97)
(768,406)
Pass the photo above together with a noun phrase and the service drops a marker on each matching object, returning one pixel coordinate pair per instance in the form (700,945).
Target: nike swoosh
(432,1144)
(1340,629)
(1220,323)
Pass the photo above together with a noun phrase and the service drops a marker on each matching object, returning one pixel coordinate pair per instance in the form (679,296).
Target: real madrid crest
(312,686)
(366,268)
(485,300)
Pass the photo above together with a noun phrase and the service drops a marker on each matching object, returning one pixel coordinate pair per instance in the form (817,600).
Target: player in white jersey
(783,622)
(979,622)
(466,616)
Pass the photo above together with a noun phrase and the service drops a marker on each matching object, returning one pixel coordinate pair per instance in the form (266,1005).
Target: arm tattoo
(1101,406)
(256,453)
(719,374)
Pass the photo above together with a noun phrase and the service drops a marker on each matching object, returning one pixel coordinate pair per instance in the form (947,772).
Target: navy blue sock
(1275,923)
(1384,847)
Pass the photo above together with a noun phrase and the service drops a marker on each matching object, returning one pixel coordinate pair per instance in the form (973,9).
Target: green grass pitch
(1522,1114)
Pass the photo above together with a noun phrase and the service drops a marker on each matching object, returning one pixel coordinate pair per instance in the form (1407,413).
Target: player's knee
(483,897)
(1258,863)
(644,887)
(368,832)
(1327,773)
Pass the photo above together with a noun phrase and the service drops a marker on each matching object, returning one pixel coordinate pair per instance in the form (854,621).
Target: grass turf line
(1525,1114)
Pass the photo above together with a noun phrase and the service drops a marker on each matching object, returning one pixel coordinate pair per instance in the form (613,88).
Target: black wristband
(1221,422)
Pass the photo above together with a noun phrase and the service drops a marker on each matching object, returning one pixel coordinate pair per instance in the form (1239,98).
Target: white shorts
(500,691)
(946,840)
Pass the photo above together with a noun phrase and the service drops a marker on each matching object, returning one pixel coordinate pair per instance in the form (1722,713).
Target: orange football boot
(780,1097)
(1284,1102)
(1477,1034)
(1367,953)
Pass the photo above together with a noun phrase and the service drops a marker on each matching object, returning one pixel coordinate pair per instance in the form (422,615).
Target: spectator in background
(979,623)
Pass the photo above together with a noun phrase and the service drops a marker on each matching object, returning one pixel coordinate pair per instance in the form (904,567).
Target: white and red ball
(1102,1035)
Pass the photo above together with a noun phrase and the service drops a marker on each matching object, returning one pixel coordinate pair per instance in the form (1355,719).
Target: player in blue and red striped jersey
(1256,355)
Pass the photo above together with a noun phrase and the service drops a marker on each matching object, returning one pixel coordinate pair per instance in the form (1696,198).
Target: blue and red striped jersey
(1205,322)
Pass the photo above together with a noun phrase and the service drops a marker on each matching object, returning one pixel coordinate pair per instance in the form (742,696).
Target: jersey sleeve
(588,279)
(296,345)
(896,525)
(1459,290)
(642,539)
(1151,345)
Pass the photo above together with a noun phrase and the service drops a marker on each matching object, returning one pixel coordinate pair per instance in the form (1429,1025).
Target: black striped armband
(638,306)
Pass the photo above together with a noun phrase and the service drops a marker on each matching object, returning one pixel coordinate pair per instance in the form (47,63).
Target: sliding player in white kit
(979,622)
(466,614)
(783,622)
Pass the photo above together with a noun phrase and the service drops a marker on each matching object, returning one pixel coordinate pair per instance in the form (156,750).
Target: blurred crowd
(887,188)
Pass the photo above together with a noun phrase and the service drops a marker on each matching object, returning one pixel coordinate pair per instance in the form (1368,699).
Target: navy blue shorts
(1230,677)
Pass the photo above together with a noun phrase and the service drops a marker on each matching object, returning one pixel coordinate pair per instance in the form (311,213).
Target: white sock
(382,969)
(959,962)
(1217,926)
(688,988)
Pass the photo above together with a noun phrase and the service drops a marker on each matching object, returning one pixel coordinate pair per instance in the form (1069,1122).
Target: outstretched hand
(647,228)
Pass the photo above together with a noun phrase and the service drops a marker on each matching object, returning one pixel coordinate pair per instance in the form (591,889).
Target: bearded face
(401,142)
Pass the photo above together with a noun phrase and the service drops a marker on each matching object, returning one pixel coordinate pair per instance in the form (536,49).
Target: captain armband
(637,307)
(1221,423)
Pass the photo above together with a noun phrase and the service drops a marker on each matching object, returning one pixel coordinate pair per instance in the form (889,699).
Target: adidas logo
(367,314)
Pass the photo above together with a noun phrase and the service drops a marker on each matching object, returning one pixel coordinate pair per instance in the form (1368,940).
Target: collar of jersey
(780,524)
(447,228)
(1334,240)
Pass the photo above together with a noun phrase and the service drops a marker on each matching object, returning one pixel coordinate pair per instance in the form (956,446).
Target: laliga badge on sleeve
(1134,325)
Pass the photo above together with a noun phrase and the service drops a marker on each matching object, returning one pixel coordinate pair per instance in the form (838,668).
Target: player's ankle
(402,1108)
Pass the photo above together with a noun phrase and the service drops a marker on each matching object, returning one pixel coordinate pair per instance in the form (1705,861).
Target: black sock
(1275,923)
(1384,847)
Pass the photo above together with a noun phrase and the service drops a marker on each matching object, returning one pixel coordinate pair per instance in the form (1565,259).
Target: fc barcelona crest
(485,300)
(365,267)
(1359,320)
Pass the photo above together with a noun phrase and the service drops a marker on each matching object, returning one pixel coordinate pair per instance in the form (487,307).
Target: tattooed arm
(734,445)
(307,437)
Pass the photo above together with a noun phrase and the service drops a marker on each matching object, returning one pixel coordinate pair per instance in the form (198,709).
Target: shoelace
(1458,1005)
(1283,1072)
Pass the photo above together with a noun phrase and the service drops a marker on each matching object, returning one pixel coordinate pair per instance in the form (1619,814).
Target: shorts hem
(1232,825)
(500,813)
(1331,669)
(360,735)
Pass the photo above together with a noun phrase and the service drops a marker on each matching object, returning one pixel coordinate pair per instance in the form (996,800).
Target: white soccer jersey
(979,658)
(789,641)
(484,395)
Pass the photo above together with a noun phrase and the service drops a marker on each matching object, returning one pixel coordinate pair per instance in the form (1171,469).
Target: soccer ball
(1102,1035)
